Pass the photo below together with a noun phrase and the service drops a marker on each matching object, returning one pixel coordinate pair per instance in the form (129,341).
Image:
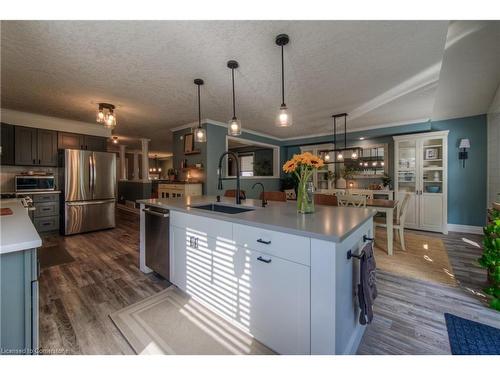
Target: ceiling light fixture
(200,133)
(115,139)
(284,118)
(234,127)
(353,152)
(106,115)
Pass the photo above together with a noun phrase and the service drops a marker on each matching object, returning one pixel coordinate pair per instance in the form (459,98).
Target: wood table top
(385,203)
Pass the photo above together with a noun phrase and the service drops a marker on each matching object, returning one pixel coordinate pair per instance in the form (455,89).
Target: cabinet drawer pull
(260,240)
(264,260)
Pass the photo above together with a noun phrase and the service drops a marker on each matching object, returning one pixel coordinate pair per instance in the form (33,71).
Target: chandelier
(106,115)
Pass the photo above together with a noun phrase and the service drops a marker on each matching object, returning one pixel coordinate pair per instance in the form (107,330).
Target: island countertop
(17,231)
(330,223)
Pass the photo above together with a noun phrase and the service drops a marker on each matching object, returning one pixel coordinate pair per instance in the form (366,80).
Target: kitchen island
(18,280)
(282,276)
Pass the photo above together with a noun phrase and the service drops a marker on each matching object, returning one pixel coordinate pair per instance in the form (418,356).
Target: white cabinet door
(280,303)
(180,244)
(431,211)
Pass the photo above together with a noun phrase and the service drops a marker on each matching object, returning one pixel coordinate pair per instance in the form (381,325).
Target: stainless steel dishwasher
(157,240)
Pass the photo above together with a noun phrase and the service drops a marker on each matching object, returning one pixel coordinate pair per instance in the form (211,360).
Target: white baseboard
(465,228)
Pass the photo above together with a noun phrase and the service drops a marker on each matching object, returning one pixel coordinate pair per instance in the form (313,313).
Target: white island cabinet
(295,293)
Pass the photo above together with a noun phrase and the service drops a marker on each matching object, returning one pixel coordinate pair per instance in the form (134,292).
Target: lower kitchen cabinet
(264,294)
(19,302)
(279,295)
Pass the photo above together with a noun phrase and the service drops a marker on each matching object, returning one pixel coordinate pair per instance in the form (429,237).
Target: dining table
(387,206)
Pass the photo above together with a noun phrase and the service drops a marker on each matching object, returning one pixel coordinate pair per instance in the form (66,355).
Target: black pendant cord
(282,77)
(334,133)
(199,108)
(234,99)
(345,131)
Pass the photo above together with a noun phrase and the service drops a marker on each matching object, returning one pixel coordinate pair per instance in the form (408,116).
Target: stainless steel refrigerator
(89,191)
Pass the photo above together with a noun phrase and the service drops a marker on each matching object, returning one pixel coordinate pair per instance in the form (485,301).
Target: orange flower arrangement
(302,166)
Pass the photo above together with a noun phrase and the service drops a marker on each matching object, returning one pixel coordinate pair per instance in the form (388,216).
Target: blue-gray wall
(466,186)
(216,145)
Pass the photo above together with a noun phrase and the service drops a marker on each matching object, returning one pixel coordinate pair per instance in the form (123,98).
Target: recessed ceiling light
(361,138)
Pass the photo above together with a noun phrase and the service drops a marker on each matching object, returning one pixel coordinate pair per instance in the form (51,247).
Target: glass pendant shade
(340,156)
(110,120)
(354,155)
(327,157)
(100,116)
(200,135)
(284,117)
(234,127)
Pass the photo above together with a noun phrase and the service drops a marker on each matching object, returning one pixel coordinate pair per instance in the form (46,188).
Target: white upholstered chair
(399,220)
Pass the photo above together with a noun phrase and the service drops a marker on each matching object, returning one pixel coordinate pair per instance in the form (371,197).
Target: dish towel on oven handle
(367,287)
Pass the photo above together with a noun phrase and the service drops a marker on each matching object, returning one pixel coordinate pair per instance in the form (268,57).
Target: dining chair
(326,199)
(231,193)
(278,196)
(366,192)
(351,200)
(399,220)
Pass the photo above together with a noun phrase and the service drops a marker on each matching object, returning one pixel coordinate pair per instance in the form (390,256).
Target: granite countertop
(329,223)
(17,230)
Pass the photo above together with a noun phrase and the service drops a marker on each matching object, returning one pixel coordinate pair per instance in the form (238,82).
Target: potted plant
(171,174)
(386,181)
(347,174)
(491,258)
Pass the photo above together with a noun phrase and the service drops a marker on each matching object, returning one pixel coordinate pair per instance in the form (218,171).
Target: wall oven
(35,183)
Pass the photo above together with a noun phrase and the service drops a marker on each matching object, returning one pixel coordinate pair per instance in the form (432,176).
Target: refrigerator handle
(91,175)
(94,177)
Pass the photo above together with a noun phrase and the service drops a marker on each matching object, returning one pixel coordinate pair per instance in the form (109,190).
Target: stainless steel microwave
(34,183)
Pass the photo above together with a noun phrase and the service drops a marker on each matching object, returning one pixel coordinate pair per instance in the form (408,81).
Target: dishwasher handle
(155,213)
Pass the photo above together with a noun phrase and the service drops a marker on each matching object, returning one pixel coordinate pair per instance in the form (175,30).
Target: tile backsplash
(7,174)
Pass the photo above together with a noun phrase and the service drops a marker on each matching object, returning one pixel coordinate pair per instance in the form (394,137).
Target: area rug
(471,338)
(55,255)
(172,323)
(425,258)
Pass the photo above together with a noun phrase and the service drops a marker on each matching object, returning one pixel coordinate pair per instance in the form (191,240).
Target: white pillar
(123,164)
(136,166)
(145,159)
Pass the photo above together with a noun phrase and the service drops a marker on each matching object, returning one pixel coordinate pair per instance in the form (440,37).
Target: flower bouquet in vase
(302,166)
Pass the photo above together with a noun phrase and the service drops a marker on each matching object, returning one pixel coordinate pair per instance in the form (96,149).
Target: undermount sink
(222,208)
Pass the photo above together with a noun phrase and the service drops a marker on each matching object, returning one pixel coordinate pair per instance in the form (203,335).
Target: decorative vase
(341,183)
(305,197)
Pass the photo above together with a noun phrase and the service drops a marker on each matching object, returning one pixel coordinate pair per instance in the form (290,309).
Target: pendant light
(234,125)
(200,134)
(106,115)
(284,117)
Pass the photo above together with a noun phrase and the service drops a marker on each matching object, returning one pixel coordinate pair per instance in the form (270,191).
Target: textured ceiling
(380,71)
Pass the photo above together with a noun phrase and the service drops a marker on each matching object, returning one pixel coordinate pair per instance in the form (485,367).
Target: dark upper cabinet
(25,146)
(70,140)
(7,139)
(35,146)
(82,142)
(47,147)
(94,143)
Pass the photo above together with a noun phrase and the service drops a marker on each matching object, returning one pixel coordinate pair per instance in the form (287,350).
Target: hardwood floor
(409,314)
(76,298)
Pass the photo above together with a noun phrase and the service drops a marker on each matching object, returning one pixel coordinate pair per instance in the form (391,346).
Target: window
(256,159)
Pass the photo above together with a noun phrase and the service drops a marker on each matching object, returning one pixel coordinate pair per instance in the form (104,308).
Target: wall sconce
(462,154)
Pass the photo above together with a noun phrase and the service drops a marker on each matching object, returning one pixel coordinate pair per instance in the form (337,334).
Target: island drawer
(45,198)
(283,245)
(46,209)
(205,226)
(44,224)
